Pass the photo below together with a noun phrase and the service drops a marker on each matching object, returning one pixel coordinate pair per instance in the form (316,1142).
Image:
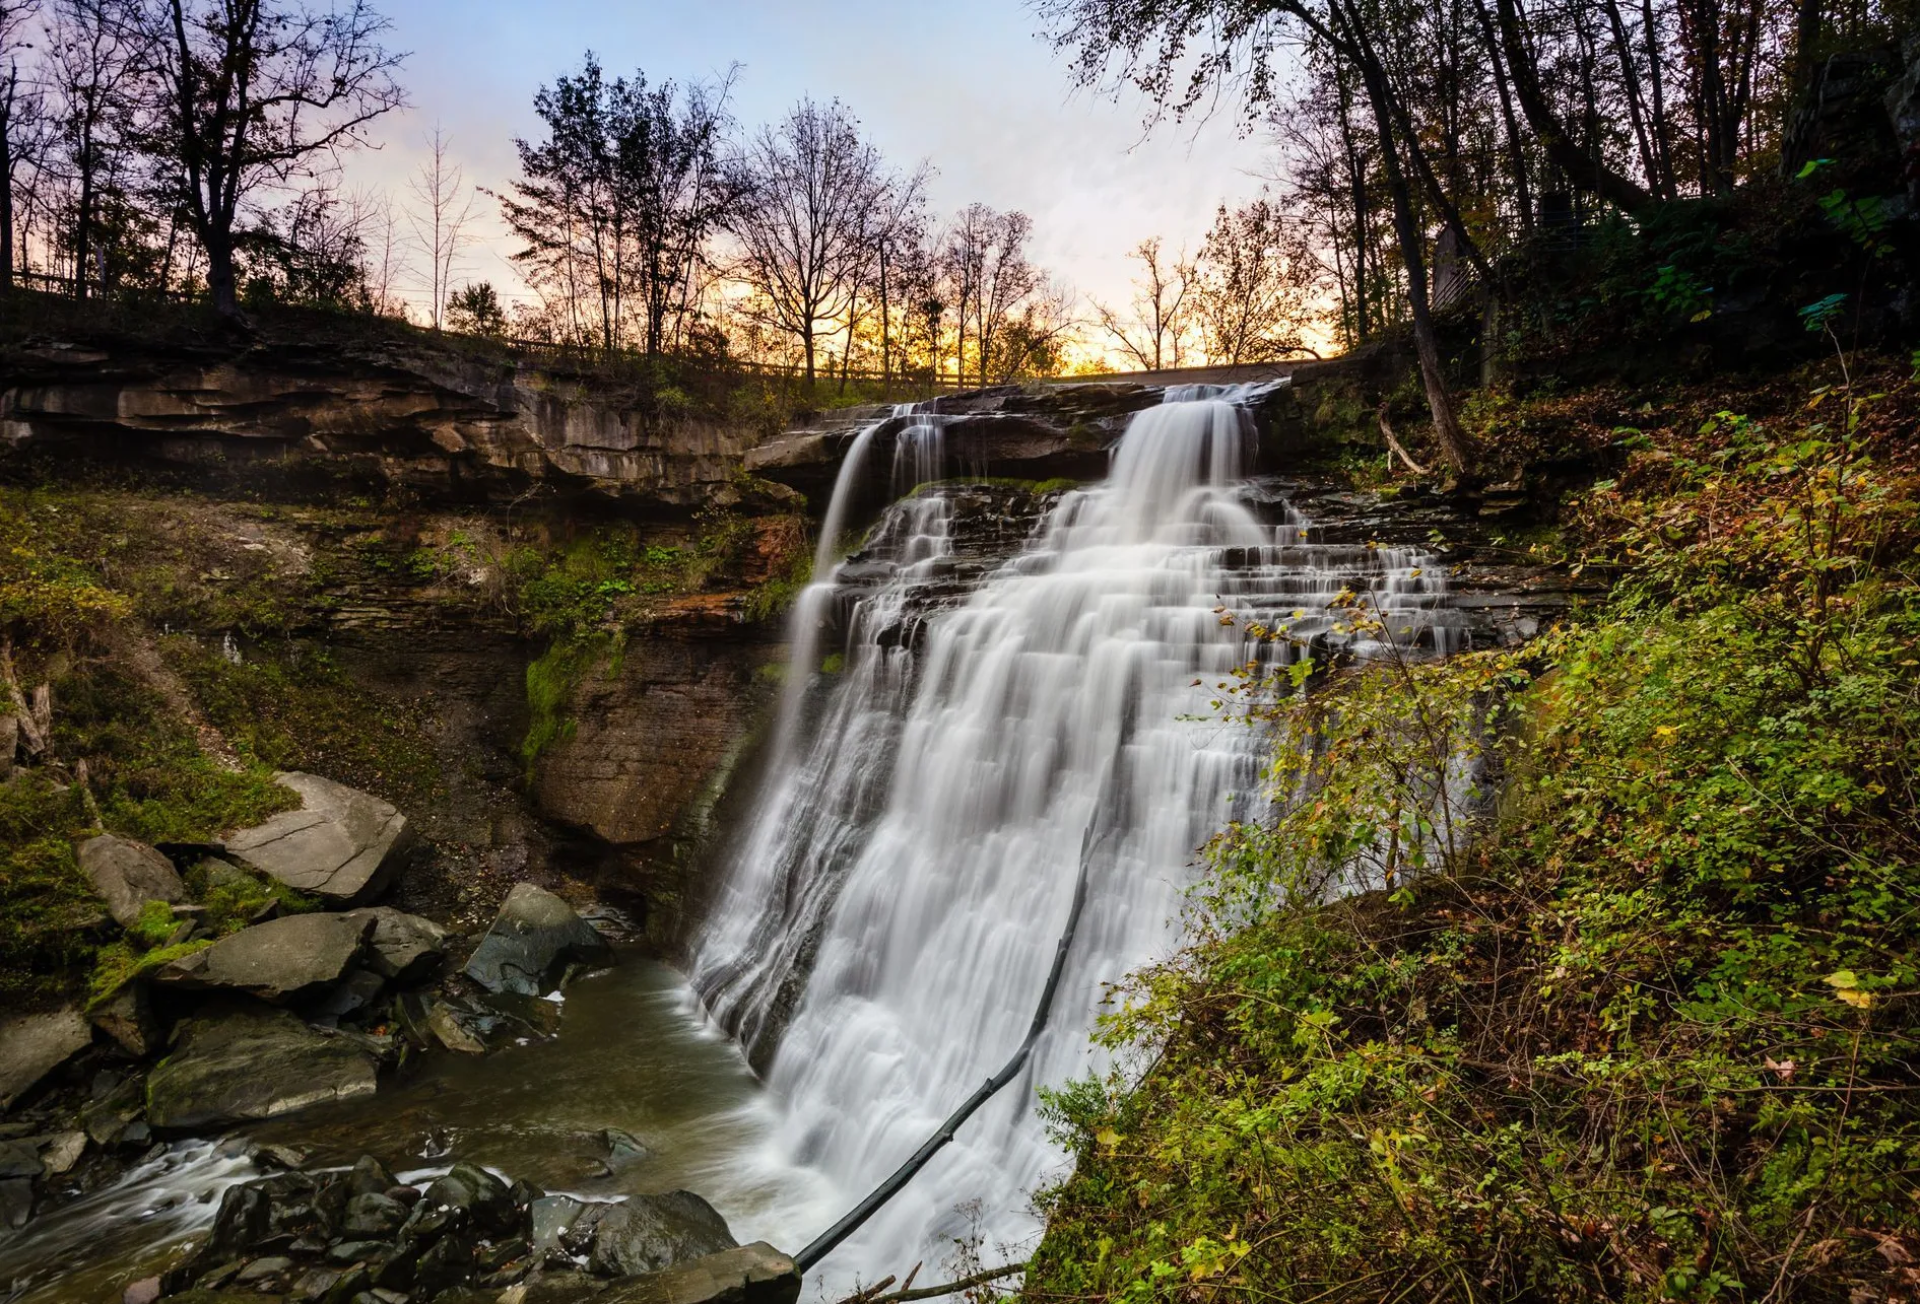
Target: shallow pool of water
(633,1053)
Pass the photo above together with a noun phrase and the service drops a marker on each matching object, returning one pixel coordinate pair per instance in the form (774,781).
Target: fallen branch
(84,781)
(824,1243)
(1394,444)
(35,720)
(933,1292)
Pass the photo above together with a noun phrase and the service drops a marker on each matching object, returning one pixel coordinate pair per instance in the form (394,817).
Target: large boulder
(128,874)
(535,942)
(242,1064)
(747,1274)
(342,845)
(34,1045)
(404,947)
(280,960)
(649,1232)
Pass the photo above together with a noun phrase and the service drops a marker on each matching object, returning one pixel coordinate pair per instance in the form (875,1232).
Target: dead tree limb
(934,1292)
(33,734)
(1394,444)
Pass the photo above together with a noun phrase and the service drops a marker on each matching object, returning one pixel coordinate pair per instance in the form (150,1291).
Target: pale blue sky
(968,86)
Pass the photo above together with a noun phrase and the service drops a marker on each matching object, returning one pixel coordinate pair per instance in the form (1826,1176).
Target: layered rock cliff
(470,422)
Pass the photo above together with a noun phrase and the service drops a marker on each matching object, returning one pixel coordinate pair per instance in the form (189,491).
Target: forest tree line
(1420,144)
(196,150)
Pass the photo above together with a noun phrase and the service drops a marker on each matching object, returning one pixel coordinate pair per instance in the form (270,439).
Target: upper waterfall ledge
(1064,429)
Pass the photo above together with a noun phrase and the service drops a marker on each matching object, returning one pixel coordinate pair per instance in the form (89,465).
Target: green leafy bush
(1646,1031)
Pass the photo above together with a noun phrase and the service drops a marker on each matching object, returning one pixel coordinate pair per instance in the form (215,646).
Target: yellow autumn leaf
(1859,1000)
(1107,1137)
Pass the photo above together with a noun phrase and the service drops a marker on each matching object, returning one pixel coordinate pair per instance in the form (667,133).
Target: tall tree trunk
(1357,175)
(1516,147)
(220,278)
(1806,39)
(806,337)
(1666,184)
(83,224)
(6,179)
(1636,98)
(1446,422)
(846,354)
(1585,171)
(886,337)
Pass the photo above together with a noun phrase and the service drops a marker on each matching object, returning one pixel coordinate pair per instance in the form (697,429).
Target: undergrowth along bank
(1641,1028)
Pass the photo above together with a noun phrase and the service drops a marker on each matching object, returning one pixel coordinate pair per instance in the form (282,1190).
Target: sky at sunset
(970,87)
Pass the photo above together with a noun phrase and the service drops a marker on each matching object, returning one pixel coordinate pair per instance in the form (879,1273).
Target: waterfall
(892,909)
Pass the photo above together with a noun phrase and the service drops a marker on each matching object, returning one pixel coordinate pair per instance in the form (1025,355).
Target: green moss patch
(291,707)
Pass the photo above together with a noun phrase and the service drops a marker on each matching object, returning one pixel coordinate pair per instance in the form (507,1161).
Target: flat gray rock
(405,947)
(128,874)
(746,1274)
(280,960)
(241,1065)
(34,1045)
(342,844)
(535,942)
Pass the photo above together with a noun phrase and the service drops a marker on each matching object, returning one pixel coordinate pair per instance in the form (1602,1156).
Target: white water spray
(895,903)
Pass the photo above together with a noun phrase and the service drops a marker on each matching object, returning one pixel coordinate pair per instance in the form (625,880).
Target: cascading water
(893,908)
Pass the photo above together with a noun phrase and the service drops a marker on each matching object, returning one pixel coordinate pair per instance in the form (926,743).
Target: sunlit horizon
(979,97)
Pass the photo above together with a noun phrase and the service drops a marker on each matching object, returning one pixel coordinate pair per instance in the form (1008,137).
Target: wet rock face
(649,733)
(402,948)
(245,1064)
(347,1236)
(1034,433)
(749,1274)
(650,1232)
(536,941)
(342,844)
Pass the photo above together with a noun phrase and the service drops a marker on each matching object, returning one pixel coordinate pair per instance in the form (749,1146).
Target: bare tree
(1031,342)
(385,253)
(991,276)
(256,94)
(616,207)
(808,189)
(93,61)
(439,216)
(19,118)
(1252,283)
(1153,331)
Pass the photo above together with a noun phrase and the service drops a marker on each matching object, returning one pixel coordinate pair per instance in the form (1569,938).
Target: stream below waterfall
(633,1052)
(963,724)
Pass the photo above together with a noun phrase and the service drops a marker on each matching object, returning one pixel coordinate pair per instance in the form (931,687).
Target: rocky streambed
(341,1101)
